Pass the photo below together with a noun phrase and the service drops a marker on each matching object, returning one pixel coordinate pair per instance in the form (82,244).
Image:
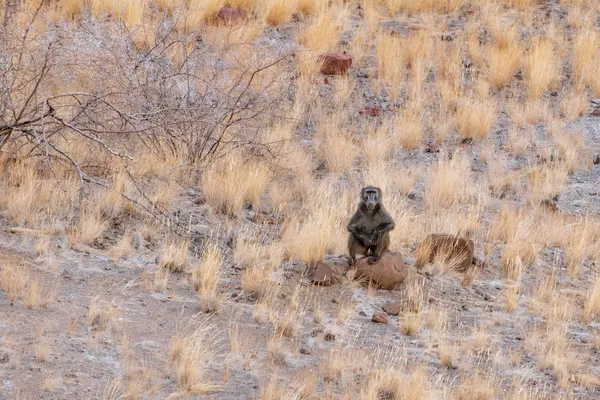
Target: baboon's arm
(356,231)
(359,234)
(385,226)
(381,229)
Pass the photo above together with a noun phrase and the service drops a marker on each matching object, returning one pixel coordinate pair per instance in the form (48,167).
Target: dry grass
(504,56)
(546,182)
(192,356)
(322,34)
(19,284)
(449,182)
(338,151)
(227,184)
(309,238)
(541,67)
(256,283)
(391,63)
(585,54)
(90,226)
(409,130)
(410,323)
(277,12)
(418,6)
(475,387)
(161,279)
(499,81)
(38,295)
(475,117)
(574,105)
(175,256)
(206,277)
(101,315)
(591,308)
(569,145)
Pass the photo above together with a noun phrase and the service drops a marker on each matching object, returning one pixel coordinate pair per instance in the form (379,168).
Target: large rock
(387,273)
(231,16)
(456,251)
(326,274)
(335,63)
(380,318)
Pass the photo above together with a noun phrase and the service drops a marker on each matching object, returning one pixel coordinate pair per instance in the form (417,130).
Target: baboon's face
(370,197)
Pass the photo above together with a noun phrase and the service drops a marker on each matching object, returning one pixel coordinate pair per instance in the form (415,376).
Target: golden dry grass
(514,79)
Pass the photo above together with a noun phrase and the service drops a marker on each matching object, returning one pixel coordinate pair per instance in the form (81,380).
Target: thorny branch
(138,99)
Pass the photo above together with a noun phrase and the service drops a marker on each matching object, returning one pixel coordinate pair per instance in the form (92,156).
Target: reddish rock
(326,81)
(387,273)
(371,111)
(326,275)
(452,249)
(335,63)
(380,318)
(596,112)
(231,16)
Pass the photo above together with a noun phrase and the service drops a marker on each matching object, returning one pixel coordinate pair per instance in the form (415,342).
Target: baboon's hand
(374,239)
(372,260)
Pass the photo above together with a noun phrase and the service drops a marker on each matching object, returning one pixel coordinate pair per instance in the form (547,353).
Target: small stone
(231,16)
(370,111)
(393,307)
(330,337)
(191,192)
(66,274)
(304,351)
(198,200)
(447,37)
(4,357)
(316,331)
(362,313)
(380,318)
(335,63)
(549,205)
(596,112)
(327,81)
(432,147)
(597,159)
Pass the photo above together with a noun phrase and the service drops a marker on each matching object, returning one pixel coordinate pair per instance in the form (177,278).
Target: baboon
(369,227)
(454,250)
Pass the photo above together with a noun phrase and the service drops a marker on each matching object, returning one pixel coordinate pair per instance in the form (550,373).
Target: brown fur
(369,229)
(453,249)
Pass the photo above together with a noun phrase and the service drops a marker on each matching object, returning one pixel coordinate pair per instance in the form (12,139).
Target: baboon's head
(371,196)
